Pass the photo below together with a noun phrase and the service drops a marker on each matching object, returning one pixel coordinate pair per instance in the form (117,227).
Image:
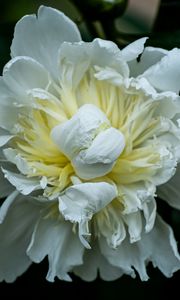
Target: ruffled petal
(158,246)
(23,184)
(162,248)
(170,190)
(14,157)
(40,37)
(109,224)
(125,257)
(80,202)
(134,223)
(149,211)
(56,239)
(135,195)
(165,75)
(15,234)
(76,59)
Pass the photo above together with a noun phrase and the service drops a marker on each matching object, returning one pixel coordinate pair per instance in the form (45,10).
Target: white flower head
(89,136)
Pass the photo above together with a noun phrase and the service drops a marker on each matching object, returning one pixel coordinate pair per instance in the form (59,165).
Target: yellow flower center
(132,114)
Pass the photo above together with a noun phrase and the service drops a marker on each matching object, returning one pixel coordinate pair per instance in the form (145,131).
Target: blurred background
(122,21)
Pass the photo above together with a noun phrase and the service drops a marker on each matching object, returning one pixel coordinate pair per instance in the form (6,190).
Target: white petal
(170,191)
(92,154)
(158,246)
(94,261)
(8,112)
(75,59)
(133,50)
(77,132)
(19,76)
(125,257)
(5,187)
(22,74)
(149,210)
(169,104)
(100,157)
(23,184)
(134,223)
(106,147)
(89,171)
(4,139)
(56,239)
(41,37)
(110,75)
(162,248)
(108,272)
(106,53)
(135,195)
(111,226)
(15,234)
(13,156)
(7,204)
(168,166)
(165,75)
(149,57)
(78,203)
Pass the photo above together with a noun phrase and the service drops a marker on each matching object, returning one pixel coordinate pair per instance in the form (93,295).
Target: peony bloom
(89,137)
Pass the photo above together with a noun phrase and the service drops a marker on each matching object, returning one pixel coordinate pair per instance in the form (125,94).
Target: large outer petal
(158,246)
(56,239)
(15,235)
(40,37)
(20,75)
(165,75)
(162,248)
(170,191)
(94,261)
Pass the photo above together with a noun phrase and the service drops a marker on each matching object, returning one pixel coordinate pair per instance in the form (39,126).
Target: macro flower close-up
(90,141)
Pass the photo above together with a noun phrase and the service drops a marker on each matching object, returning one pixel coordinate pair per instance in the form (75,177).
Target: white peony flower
(89,137)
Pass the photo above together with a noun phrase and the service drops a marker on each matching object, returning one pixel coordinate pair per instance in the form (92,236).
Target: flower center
(89,141)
